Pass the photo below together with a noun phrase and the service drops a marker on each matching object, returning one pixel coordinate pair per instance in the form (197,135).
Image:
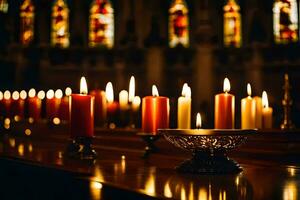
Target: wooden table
(35,167)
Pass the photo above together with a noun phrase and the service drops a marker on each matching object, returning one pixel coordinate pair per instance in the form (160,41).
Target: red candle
(155,112)
(52,103)
(224,108)
(82,112)
(100,106)
(64,108)
(7,104)
(17,107)
(34,105)
(112,106)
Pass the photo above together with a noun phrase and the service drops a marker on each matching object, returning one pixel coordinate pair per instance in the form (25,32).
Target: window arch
(232,24)
(178,24)
(285,21)
(101,25)
(27,22)
(60,24)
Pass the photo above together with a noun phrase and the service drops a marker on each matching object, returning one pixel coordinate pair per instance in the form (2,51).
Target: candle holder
(209,148)
(150,140)
(81,148)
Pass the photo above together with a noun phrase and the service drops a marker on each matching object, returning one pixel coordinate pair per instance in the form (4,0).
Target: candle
(17,108)
(248,109)
(64,108)
(198,121)
(34,105)
(82,112)
(258,112)
(52,103)
(131,89)
(224,108)
(266,112)
(155,112)
(184,108)
(7,104)
(123,100)
(100,106)
(136,104)
(112,106)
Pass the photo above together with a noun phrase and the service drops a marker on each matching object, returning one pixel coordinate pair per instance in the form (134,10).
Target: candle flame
(186,91)
(1,95)
(83,86)
(155,91)
(198,121)
(131,89)
(109,91)
(23,94)
(249,91)
(265,101)
(123,98)
(15,95)
(50,94)
(183,92)
(68,91)
(41,94)
(226,85)
(32,92)
(7,95)
(58,94)
(136,102)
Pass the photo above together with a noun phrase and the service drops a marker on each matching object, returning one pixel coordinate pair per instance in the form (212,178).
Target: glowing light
(1,95)
(131,89)
(12,142)
(109,91)
(291,171)
(198,121)
(155,91)
(27,22)
(202,194)
(6,123)
(123,99)
(30,120)
(15,95)
(56,121)
(23,94)
(32,92)
(30,148)
(136,103)
(186,91)
(226,85)
(50,94)
(7,95)
(58,94)
(290,191)
(27,132)
(183,193)
(68,91)
(265,101)
(167,190)
(249,91)
(21,149)
(83,86)
(41,95)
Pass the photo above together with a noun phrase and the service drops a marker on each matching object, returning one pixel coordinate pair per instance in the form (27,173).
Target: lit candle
(155,112)
(112,106)
(266,112)
(198,121)
(100,106)
(7,103)
(136,104)
(64,108)
(184,108)
(258,112)
(34,105)
(53,103)
(131,94)
(123,100)
(82,112)
(224,108)
(248,109)
(18,104)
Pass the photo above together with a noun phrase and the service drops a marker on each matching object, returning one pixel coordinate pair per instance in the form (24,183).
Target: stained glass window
(178,24)
(60,24)
(3,6)
(285,21)
(101,26)
(232,24)
(27,22)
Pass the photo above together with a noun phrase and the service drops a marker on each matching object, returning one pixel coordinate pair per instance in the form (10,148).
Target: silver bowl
(209,148)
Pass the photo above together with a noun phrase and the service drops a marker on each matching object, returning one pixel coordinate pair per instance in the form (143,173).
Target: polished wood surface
(34,166)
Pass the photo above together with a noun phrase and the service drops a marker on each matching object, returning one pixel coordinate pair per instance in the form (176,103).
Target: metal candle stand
(150,140)
(81,148)
(209,148)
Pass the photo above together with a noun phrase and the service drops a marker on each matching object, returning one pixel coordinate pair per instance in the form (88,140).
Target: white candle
(123,100)
(136,104)
(184,108)
(248,109)
(266,112)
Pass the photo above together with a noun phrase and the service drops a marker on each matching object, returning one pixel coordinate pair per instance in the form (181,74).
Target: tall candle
(184,108)
(7,103)
(258,112)
(82,112)
(224,108)
(248,109)
(34,105)
(100,106)
(155,112)
(64,108)
(266,112)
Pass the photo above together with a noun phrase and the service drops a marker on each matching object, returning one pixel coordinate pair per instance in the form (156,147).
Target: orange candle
(224,108)
(155,112)
(267,112)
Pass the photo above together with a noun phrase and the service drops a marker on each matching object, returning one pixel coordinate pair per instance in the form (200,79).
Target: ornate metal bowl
(209,148)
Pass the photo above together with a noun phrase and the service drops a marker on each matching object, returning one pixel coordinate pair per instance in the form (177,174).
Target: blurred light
(1,95)
(6,123)
(290,191)
(23,94)
(41,95)
(30,148)
(15,95)
(12,142)
(58,94)
(21,149)
(56,120)
(109,91)
(167,190)
(7,95)
(68,91)
(131,89)
(50,94)
(27,132)
(30,120)
(17,118)
(32,92)
(83,86)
